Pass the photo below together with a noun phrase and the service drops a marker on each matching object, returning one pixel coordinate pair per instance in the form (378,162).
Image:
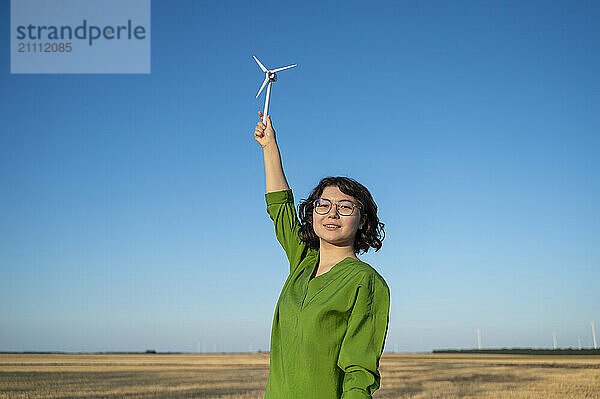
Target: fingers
(260,114)
(259,131)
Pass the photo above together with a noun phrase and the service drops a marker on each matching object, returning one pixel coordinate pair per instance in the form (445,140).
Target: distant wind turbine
(479,339)
(554,339)
(594,334)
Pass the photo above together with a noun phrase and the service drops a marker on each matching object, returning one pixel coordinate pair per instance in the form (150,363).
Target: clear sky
(132,206)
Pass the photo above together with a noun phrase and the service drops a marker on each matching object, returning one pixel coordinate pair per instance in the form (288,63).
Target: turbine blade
(260,65)
(281,69)
(263,86)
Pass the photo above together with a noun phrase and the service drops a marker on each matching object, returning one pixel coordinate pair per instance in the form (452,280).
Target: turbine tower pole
(594,334)
(554,339)
(478,339)
(267,103)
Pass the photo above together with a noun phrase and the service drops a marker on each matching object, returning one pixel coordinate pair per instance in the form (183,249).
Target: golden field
(244,376)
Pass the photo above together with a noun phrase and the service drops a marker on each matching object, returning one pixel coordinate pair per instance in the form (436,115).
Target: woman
(331,318)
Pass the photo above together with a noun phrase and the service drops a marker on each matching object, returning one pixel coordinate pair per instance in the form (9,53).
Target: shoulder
(368,276)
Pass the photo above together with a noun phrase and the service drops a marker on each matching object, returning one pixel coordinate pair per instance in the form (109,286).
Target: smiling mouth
(331,226)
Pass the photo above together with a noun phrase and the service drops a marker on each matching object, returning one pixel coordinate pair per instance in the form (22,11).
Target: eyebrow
(338,201)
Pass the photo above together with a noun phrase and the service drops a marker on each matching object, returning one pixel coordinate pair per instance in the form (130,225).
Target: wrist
(271,146)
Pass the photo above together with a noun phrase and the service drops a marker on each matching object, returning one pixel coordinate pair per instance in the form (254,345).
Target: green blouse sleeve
(363,342)
(280,207)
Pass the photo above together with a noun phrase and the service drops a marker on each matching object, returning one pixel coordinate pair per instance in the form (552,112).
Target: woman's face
(332,227)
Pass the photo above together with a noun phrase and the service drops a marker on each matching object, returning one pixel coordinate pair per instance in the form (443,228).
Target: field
(244,376)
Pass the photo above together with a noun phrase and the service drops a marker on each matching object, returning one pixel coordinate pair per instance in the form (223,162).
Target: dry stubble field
(244,376)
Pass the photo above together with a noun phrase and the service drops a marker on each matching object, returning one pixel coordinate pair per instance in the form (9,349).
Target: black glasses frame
(336,206)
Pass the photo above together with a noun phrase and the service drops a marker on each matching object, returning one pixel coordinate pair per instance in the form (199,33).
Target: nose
(333,212)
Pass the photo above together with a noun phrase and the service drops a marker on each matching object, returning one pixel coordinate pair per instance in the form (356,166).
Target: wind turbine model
(270,76)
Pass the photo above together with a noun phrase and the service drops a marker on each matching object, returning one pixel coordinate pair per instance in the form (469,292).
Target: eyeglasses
(344,207)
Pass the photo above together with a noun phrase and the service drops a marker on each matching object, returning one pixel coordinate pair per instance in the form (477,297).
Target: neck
(330,255)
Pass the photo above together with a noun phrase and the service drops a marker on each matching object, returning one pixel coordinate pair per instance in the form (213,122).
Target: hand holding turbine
(264,133)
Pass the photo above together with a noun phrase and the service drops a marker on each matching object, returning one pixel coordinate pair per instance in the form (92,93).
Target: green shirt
(328,332)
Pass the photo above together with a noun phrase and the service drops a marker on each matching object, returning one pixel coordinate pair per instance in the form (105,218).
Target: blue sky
(132,206)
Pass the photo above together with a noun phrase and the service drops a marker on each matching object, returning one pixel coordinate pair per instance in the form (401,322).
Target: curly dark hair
(371,234)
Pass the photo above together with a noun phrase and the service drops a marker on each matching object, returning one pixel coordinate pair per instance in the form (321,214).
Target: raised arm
(279,197)
(274,176)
